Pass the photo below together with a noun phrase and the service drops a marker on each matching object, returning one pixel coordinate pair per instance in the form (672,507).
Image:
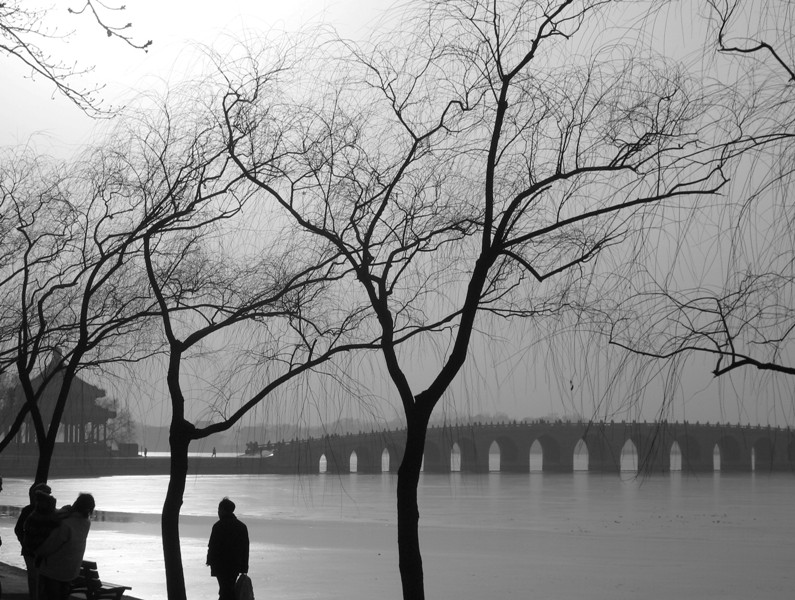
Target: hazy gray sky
(30,108)
(499,377)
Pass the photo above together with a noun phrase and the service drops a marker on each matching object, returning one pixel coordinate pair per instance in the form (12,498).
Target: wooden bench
(92,587)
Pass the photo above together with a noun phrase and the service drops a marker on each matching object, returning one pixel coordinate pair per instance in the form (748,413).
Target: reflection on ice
(492,535)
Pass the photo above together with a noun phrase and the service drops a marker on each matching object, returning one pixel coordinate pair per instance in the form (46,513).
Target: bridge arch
(386,460)
(551,455)
(581,457)
(455,458)
(675,456)
(536,456)
(629,456)
(353,462)
(495,457)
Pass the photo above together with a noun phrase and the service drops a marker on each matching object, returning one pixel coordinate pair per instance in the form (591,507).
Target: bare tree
(232,285)
(70,301)
(36,222)
(744,316)
(25,30)
(479,162)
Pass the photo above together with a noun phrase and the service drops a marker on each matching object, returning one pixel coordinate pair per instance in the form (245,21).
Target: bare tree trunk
(47,445)
(46,450)
(408,513)
(179,441)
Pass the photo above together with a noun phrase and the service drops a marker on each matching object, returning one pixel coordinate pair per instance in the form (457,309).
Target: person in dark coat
(227,552)
(19,530)
(26,510)
(38,527)
(39,524)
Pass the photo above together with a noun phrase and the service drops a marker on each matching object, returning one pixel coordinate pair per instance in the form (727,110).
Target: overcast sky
(29,108)
(502,377)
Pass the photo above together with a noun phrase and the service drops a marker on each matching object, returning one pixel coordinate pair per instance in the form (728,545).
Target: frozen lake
(498,535)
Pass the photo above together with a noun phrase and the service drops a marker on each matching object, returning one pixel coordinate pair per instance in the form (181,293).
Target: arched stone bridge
(552,446)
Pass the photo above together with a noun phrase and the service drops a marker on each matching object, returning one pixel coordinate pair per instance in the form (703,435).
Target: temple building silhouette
(84,423)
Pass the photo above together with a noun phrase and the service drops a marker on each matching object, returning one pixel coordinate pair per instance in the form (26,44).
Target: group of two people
(53,541)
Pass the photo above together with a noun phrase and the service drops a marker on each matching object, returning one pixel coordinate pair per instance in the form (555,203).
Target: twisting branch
(111,30)
(725,14)
(22,29)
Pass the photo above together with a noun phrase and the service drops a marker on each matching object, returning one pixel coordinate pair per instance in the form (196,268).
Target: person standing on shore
(227,552)
(62,552)
(35,523)
(19,528)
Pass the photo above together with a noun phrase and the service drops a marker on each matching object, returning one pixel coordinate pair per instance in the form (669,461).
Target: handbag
(243,588)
